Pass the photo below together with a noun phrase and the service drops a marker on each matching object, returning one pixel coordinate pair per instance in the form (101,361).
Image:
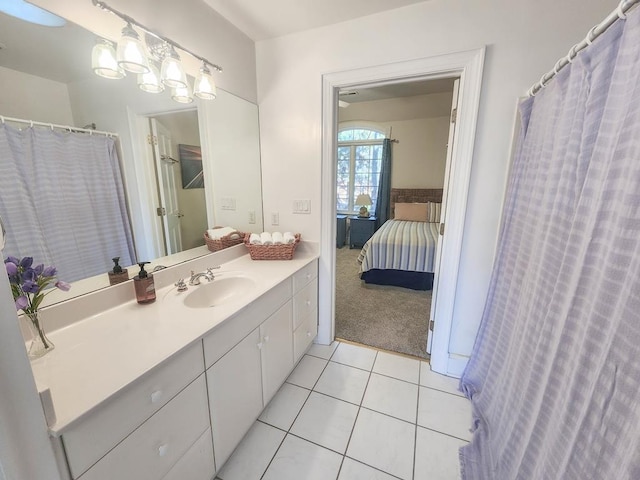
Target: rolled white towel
(254,239)
(288,237)
(277,238)
(218,233)
(266,239)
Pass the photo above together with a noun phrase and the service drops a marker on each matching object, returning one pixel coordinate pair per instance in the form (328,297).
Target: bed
(402,251)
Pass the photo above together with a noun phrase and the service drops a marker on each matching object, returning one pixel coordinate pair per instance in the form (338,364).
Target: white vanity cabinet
(305,309)
(94,437)
(276,334)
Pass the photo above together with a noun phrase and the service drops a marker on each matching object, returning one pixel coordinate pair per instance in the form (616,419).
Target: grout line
(444,433)
(371,466)
(415,435)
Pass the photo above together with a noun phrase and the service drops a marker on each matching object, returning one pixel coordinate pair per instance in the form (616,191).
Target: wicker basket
(224,242)
(271,252)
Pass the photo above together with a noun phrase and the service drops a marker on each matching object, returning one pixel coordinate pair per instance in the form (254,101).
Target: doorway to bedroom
(400,180)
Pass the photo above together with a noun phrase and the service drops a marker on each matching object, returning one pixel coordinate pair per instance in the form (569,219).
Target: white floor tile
(397,366)
(444,413)
(384,443)
(323,351)
(252,456)
(393,397)
(326,421)
(352,470)
(307,372)
(437,456)
(298,459)
(355,356)
(343,382)
(285,406)
(439,382)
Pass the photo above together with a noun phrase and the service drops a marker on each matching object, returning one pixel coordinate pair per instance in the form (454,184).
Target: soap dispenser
(143,283)
(118,274)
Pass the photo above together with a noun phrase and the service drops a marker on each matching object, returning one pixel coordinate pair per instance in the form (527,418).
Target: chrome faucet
(195,277)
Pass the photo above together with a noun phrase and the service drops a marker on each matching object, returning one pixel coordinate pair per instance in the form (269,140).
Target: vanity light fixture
(103,60)
(137,56)
(181,95)
(150,81)
(131,53)
(171,73)
(205,87)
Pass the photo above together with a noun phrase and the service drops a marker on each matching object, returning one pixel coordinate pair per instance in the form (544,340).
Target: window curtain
(62,199)
(554,377)
(384,184)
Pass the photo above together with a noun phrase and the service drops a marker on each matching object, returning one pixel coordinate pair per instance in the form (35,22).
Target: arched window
(359,163)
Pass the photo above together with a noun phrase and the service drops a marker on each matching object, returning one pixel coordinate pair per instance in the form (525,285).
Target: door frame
(468,65)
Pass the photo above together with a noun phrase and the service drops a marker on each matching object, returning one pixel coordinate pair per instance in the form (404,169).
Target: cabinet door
(277,352)
(235,395)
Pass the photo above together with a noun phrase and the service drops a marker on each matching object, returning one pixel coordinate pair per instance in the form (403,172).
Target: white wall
(30,97)
(524,38)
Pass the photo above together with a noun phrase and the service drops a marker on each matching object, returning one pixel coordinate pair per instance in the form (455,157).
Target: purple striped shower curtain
(554,377)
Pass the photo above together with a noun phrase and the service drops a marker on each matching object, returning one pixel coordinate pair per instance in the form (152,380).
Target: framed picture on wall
(191,166)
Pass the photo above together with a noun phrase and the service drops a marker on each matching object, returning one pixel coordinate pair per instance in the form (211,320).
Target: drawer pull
(308,334)
(266,338)
(308,275)
(162,450)
(308,302)
(259,345)
(155,396)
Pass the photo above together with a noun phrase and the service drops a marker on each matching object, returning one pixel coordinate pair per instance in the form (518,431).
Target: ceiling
(396,90)
(261,20)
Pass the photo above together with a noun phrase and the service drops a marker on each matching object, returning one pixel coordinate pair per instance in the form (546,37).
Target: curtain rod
(618,14)
(68,128)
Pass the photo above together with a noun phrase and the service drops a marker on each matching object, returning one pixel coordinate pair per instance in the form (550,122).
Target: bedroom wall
(421,126)
(523,38)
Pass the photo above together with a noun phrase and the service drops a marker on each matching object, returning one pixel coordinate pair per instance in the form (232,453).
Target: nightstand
(361,229)
(341,230)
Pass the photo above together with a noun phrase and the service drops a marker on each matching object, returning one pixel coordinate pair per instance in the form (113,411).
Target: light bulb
(205,86)
(150,81)
(181,95)
(171,73)
(131,53)
(103,60)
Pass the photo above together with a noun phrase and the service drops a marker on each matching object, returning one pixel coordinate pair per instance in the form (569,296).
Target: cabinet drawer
(157,445)
(304,276)
(88,441)
(304,335)
(305,302)
(197,463)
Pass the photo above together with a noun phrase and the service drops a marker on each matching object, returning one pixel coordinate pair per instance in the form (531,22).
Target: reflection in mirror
(46,77)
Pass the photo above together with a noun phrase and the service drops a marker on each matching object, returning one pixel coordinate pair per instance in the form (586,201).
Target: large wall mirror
(184,167)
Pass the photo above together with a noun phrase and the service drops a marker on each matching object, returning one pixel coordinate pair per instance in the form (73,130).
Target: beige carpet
(391,318)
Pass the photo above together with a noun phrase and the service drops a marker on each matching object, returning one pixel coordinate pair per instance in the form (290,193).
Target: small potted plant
(27,285)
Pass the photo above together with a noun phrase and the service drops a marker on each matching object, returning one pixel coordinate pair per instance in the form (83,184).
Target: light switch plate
(302,206)
(252,216)
(275,218)
(228,203)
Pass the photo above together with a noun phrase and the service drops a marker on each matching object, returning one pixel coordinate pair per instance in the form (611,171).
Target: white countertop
(97,357)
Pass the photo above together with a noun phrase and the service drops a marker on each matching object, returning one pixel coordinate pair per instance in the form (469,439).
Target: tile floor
(349,412)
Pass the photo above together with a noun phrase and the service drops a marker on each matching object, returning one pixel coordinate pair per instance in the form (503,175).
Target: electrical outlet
(252,216)
(275,218)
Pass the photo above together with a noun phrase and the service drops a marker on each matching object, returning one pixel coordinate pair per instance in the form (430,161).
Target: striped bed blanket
(401,245)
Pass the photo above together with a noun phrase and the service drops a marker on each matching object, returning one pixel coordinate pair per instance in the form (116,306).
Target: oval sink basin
(218,292)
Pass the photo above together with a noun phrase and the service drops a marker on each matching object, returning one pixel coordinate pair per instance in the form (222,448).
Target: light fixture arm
(103,6)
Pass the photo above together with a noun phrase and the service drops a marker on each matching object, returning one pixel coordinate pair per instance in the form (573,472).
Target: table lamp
(363,200)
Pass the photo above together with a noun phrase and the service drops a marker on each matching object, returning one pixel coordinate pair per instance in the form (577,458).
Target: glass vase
(40,344)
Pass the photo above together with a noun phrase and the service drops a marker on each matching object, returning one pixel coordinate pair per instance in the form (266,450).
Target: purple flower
(38,269)
(49,271)
(26,262)
(29,275)
(12,268)
(12,260)
(21,302)
(64,286)
(29,286)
